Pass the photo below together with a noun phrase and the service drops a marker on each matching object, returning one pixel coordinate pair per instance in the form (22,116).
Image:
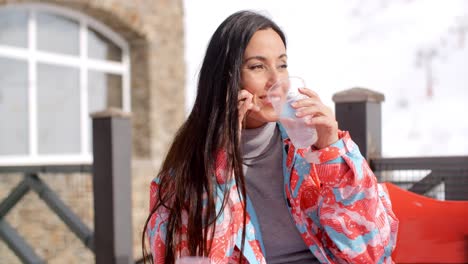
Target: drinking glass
(281,95)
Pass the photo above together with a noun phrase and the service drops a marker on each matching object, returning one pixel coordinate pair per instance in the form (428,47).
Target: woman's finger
(305,102)
(321,121)
(310,110)
(244,100)
(309,93)
(243,95)
(247,101)
(255,106)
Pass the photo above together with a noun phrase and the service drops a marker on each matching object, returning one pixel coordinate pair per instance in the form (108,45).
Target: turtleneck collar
(257,141)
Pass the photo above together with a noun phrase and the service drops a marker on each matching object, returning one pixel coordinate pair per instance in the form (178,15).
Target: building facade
(61,60)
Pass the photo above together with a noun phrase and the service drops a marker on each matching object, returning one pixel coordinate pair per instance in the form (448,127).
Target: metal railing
(443,178)
(32,182)
(111,239)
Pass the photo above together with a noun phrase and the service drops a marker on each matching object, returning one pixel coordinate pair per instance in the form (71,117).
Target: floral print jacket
(341,212)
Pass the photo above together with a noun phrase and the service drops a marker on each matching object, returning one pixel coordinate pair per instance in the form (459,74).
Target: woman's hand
(318,115)
(246,103)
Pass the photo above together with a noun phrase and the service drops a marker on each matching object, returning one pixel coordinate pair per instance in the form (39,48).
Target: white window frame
(32,56)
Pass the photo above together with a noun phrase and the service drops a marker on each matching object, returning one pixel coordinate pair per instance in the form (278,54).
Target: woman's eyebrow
(255,58)
(261,58)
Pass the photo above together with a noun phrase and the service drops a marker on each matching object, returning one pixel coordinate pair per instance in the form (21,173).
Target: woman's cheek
(269,114)
(257,86)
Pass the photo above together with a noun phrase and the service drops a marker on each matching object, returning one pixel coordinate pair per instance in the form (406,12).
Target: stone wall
(155,33)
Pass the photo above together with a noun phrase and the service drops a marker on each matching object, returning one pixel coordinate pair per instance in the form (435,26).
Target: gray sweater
(262,166)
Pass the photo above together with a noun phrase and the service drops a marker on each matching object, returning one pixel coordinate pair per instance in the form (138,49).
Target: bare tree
(451,40)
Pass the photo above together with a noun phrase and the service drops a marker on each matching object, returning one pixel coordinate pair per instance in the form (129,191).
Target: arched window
(56,66)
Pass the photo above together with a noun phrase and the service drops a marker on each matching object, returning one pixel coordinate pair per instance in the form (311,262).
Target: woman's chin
(260,119)
(269,118)
(273,119)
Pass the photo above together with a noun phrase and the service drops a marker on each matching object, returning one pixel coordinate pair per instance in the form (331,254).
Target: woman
(235,189)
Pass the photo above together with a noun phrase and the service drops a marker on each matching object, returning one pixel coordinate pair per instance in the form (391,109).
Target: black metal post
(456,182)
(358,111)
(112,187)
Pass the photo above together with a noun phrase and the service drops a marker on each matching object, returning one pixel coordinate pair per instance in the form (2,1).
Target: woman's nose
(273,77)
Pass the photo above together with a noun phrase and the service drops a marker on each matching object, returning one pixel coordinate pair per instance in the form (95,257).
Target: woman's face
(264,63)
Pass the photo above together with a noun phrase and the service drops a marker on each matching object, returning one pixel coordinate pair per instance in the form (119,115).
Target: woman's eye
(257,67)
(284,66)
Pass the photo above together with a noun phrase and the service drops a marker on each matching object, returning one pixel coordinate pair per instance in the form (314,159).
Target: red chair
(430,231)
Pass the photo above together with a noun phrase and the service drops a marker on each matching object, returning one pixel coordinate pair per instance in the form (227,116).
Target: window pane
(58,96)
(13,27)
(105,90)
(57,34)
(13,107)
(100,47)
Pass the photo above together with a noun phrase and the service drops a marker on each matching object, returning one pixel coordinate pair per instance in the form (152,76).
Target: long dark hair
(187,172)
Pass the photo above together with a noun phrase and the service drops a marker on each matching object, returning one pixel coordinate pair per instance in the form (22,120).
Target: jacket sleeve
(355,214)
(156,229)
